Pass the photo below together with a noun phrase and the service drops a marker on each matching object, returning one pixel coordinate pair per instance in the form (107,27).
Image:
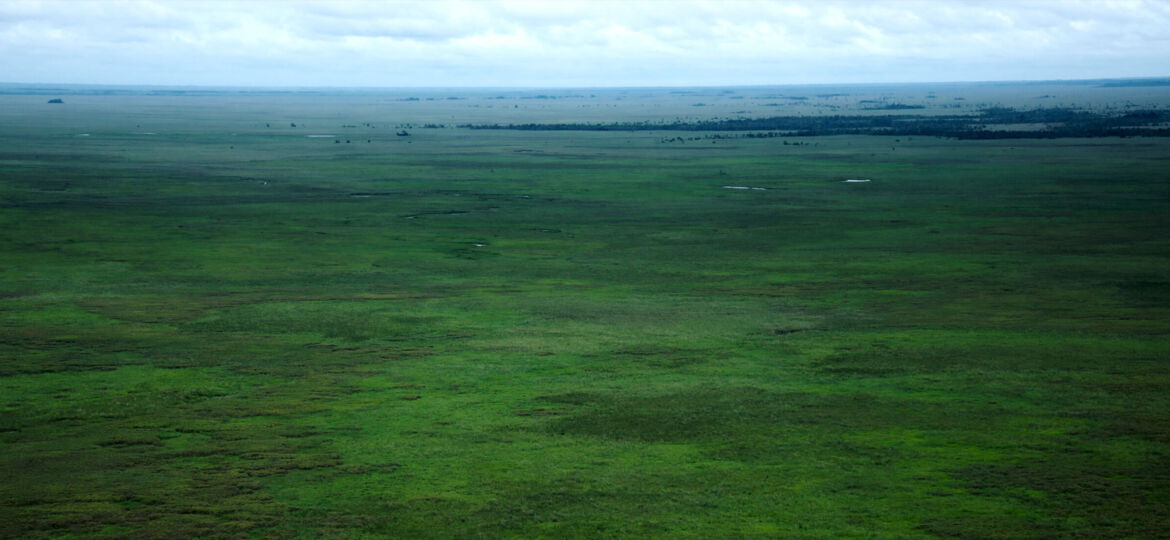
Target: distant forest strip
(990,123)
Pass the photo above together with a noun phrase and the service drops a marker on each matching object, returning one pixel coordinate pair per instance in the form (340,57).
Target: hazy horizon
(1160,81)
(509,44)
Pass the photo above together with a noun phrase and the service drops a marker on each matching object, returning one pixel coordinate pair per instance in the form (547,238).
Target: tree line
(987,123)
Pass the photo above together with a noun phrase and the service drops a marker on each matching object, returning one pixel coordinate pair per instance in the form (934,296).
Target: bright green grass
(207,334)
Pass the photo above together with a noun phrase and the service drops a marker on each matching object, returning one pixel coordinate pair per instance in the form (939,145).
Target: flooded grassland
(215,323)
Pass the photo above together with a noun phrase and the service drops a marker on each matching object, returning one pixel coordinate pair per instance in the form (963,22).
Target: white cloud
(527,43)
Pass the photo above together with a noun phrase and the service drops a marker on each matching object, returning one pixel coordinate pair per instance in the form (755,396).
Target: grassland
(214,325)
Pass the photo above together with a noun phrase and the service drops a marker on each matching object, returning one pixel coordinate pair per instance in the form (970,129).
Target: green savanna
(378,323)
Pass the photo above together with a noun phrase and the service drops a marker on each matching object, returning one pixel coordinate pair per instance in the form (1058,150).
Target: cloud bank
(567,43)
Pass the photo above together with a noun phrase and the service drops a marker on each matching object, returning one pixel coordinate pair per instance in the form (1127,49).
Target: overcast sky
(578,43)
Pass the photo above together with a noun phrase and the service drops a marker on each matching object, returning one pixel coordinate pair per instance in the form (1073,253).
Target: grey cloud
(538,43)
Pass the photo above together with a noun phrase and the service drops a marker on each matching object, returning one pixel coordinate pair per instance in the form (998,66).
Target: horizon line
(572,87)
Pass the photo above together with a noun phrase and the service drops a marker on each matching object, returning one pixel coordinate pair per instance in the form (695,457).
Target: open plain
(342,313)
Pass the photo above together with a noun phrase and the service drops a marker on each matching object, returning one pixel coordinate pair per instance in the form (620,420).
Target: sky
(567,43)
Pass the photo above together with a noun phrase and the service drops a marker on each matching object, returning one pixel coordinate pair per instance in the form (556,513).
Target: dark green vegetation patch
(988,123)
